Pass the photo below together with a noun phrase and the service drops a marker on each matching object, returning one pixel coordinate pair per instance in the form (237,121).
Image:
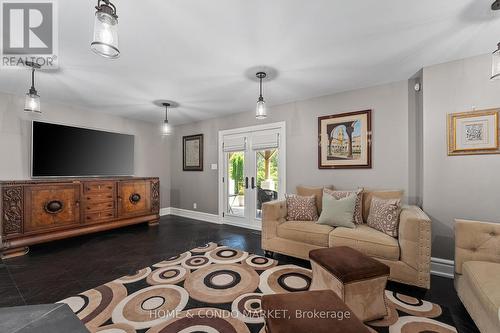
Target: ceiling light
(495,57)
(495,64)
(105,42)
(32,102)
(261,111)
(166,128)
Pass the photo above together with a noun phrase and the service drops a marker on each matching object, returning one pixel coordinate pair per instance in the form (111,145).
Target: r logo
(27,28)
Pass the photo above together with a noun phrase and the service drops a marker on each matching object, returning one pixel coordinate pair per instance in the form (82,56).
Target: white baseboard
(191,214)
(165,211)
(443,267)
(241,225)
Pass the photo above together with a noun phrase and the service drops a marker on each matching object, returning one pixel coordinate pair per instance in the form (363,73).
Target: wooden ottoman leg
(367,298)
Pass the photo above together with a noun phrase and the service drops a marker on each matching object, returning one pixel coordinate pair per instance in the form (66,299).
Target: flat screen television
(66,151)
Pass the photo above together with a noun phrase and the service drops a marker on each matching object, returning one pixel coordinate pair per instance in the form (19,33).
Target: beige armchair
(408,256)
(477,271)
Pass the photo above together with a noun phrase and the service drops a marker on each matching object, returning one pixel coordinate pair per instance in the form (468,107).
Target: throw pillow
(384,215)
(301,208)
(338,212)
(358,212)
(313,190)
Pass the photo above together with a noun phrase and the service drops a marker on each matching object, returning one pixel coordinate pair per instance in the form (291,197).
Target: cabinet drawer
(99,197)
(99,206)
(99,216)
(98,187)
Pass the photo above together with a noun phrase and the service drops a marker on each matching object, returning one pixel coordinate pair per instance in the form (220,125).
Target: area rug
(215,288)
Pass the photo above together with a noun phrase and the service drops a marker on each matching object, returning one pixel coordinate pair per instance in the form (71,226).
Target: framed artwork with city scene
(345,141)
(473,133)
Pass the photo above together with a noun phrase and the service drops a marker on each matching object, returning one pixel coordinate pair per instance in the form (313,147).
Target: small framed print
(192,152)
(474,132)
(345,141)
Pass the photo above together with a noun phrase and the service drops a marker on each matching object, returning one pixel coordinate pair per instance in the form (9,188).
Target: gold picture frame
(474,132)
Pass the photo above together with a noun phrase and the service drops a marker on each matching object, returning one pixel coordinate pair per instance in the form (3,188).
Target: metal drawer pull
(54,207)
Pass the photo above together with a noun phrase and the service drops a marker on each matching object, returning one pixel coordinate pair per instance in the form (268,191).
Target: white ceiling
(197,52)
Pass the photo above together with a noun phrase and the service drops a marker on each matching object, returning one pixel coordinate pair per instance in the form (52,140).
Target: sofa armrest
(273,213)
(415,241)
(476,241)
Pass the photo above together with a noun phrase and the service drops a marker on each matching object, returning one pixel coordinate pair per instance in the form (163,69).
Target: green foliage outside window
(236,172)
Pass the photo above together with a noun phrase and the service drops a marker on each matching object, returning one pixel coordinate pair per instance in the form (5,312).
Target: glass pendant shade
(495,64)
(261,111)
(166,129)
(105,42)
(32,103)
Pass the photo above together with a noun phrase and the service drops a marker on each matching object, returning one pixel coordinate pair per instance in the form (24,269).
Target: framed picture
(345,141)
(474,132)
(192,152)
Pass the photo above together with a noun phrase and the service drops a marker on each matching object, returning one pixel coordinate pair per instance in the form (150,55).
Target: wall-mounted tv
(66,151)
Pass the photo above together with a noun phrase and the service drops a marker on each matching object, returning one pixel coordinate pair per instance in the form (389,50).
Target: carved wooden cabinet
(44,210)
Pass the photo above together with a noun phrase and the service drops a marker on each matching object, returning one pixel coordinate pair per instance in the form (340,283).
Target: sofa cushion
(369,194)
(357,215)
(301,208)
(305,232)
(367,240)
(482,277)
(384,215)
(338,212)
(306,191)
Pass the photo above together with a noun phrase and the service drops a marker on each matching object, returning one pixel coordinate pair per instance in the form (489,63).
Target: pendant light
(495,64)
(32,101)
(105,42)
(166,128)
(260,111)
(495,57)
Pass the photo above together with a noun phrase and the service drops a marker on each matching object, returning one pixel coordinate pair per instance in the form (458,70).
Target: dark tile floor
(54,271)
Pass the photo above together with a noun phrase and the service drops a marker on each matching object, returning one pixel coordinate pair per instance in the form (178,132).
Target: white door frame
(281,126)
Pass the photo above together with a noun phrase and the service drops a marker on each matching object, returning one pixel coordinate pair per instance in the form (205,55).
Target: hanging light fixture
(260,111)
(32,101)
(495,64)
(495,57)
(166,128)
(105,42)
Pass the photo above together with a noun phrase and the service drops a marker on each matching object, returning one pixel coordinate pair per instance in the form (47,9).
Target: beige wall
(151,150)
(390,151)
(457,186)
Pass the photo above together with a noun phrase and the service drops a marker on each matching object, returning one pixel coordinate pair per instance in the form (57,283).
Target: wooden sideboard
(38,211)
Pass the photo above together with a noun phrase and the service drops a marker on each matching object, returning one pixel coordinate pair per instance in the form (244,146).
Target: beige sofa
(477,271)
(408,256)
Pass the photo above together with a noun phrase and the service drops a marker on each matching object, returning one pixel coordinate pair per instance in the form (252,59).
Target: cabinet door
(134,198)
(51,206)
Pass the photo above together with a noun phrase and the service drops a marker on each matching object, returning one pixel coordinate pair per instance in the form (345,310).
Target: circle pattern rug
(217,289)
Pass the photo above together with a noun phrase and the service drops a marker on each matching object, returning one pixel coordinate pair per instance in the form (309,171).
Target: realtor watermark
(273,314)
(29,33)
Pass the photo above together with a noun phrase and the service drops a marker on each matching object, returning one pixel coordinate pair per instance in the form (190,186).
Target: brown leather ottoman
(309,312)
(357,279)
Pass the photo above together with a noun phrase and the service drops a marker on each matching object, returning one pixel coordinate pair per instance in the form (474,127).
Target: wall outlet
(214,166)
(195,205)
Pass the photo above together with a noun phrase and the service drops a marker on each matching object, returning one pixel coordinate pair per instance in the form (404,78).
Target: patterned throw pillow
(384,215)
(301,208)
(358,211)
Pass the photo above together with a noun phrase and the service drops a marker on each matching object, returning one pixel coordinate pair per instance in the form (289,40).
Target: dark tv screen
(65,151)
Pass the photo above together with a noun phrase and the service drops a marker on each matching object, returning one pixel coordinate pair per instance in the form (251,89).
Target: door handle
(246,183)
(253,183)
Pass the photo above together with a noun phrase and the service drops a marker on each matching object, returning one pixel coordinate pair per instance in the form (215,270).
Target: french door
(252,173)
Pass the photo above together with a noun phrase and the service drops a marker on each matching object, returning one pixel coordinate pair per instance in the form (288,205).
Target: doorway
(252,172)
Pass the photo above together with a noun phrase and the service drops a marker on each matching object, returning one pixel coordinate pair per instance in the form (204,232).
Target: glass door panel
(235,205)
(267,178)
